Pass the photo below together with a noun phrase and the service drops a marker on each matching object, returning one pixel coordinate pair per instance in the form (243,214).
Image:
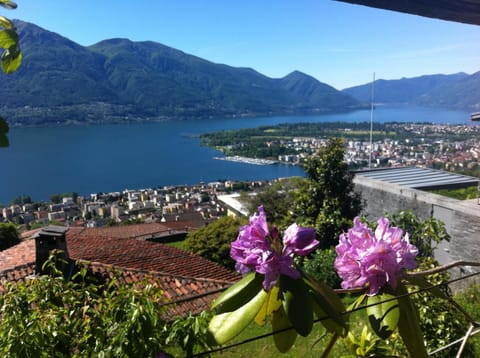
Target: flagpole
(371,122)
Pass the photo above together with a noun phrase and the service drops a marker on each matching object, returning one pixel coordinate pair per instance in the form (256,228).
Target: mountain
(464,93)
(460,91)
(118,79)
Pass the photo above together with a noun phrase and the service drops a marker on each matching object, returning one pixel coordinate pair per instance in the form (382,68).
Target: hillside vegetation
(118,80)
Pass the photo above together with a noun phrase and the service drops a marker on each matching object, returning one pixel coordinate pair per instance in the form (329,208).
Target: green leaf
(8,4)
(326,303)
(11,60)
(225,326)
(238,294)
(8,38)
(357,303)
(409,326)
(285,339)
(6,23)
(296,304)
(271,304)
(424,284)
(383,316)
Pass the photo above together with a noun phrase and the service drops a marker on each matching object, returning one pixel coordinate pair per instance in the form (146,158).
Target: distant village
(180,207)
(416,150)
(189,207)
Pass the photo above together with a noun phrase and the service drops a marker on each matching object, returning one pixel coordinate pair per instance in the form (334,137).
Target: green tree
(327,200)
(213,241)
(56,198)
(22,199)
(320,265)
(8,236)
(277,200)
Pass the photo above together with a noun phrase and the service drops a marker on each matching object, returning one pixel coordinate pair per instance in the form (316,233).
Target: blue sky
(337,43)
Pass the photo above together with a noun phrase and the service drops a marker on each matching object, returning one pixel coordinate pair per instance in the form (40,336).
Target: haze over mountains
(115,80)
(458,91)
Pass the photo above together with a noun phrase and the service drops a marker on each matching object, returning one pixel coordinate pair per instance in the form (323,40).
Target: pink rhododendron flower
(258,249)
(373,259)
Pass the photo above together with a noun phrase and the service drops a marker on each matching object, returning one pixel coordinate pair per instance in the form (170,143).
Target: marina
(239,159)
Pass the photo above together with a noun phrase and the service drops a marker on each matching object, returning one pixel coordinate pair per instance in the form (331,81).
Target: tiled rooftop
(18,255)
(144,255)
(182,275)
(124,231)
(183,295)
(112,246)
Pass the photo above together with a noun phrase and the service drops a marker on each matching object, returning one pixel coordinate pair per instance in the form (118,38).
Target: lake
(103,158)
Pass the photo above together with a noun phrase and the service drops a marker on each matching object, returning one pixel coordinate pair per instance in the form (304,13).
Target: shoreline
(247,160)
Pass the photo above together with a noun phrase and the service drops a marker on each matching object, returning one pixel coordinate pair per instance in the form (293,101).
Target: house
(188,281)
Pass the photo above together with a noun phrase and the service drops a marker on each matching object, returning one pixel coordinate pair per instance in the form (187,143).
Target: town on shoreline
(439,146)
(453,148)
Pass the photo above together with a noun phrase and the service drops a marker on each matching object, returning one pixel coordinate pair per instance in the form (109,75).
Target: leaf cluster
(320,265)
(290,306)
(327,201)
(277,200)
(441,322)
(8,236)
(11,56)
(424,234)
(190,333)
(213,241)
(46,316)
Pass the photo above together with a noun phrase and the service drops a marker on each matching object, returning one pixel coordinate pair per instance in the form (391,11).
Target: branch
(442,268)
(416,274)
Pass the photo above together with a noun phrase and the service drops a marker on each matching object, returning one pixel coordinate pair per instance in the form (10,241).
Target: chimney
(48,239)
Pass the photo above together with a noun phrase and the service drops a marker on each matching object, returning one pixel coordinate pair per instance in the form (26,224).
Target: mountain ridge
(118,79)
(455,91)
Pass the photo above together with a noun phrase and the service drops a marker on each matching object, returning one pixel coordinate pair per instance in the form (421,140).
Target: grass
(468,299)
(460,194)
(178,244)
(313,345)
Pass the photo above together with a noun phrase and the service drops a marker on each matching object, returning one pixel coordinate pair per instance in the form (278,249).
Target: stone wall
(461,218)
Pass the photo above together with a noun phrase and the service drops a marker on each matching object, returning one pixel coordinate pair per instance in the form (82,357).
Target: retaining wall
(461,217)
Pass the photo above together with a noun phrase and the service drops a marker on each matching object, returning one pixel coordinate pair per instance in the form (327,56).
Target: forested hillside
(118,80)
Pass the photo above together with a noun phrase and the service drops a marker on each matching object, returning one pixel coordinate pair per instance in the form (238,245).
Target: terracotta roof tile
(18,255)
(93,245)
(124,231)
(183,295)
(145,255)
(182,275)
